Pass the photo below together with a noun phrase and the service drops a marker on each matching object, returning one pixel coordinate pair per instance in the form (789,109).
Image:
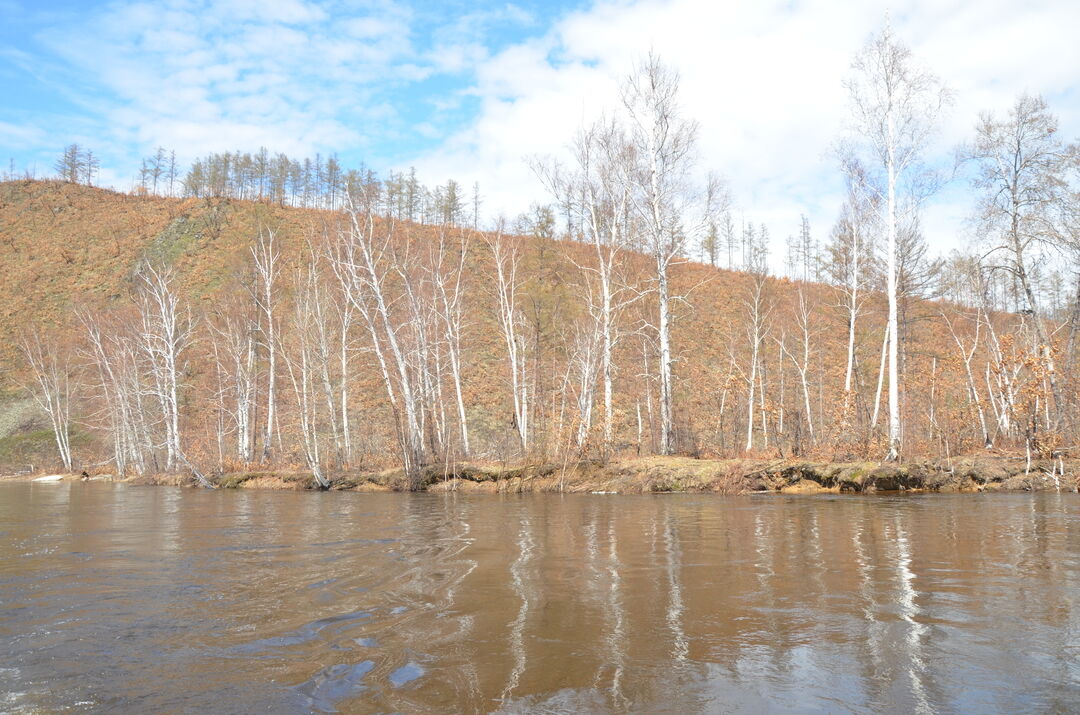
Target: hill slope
(65,246)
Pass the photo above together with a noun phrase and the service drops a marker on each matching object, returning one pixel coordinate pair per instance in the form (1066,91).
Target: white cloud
(301,76)
(765,82)
(288,11)
(236,74)
(16,134)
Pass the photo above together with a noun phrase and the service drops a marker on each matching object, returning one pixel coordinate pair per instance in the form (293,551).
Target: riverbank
(650,475)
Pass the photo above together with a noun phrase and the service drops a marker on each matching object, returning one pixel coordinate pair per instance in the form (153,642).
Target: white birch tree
(506,254)
(53,388)
(267,259)
(167,331)
(896,105)
(804,313)
(599,203)
(116,351)
(850,264)
(1024,172)
(967,355)
(366,264)
(671,209)
(304,367)
(758,313)
(448,276)
(233,335)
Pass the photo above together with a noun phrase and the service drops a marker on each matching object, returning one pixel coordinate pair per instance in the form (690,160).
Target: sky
(473,90)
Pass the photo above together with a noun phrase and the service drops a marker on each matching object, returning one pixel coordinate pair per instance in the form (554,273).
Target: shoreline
(660,475)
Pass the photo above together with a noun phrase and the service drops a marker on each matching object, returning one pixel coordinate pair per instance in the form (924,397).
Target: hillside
(65,247)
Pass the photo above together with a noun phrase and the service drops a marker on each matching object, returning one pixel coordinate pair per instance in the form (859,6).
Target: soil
(650,475)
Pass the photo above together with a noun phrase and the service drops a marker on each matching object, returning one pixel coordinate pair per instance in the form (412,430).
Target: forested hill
(760,362)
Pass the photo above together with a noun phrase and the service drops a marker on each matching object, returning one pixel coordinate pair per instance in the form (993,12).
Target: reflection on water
(518,576)
(156,599)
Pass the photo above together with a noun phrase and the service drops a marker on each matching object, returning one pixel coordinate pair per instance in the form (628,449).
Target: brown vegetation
(207,244)
(661,475)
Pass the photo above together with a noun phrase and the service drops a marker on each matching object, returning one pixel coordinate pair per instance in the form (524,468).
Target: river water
(153,599)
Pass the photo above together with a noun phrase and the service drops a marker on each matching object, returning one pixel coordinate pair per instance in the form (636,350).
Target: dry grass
(653,475)
(64,245)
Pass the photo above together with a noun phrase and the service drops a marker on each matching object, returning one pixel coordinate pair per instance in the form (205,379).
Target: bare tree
(967,354)
(52,388)
(415,263)
(584,359)
(1024,182)
(804,319)
(672,210)
(304,367)
(317,307)
(91,165)
(167,331)
(1003,371)
(344,313)
(233,336)
(448,277)
(506,254)
(71,165)
(599,202)
(366,264)
(895,107)
(849,261)
(116,356)
(758,312)
(267,260)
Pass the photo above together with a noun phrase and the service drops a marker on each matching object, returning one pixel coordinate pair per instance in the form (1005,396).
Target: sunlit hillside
(71,254)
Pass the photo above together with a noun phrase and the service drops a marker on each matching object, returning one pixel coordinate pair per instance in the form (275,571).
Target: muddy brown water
(154,599)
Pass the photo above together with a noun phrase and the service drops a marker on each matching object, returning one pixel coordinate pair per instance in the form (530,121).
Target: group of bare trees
(159,173)
(633,186)
(53,389)
(77,165)
(500,345)
(407,294)
(319,182)
(1026,198)
(135,362)
(261,176)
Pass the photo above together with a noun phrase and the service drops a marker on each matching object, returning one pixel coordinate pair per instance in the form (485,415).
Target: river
(154,599)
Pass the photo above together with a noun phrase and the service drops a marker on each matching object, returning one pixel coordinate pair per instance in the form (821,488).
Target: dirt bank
(645,475)
(681,474)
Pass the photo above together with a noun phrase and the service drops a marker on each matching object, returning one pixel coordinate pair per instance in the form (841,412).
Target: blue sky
(377,82)
(471,90)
